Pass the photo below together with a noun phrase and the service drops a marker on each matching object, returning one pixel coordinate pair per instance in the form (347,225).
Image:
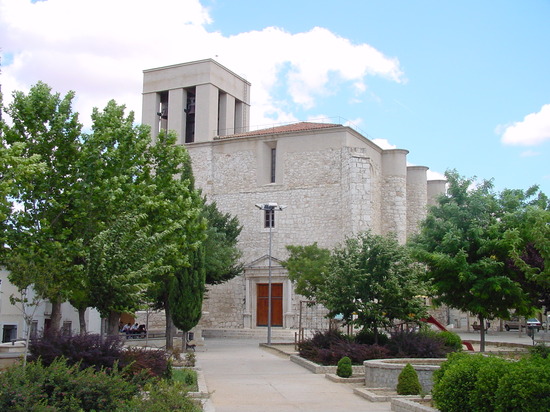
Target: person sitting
(134,329)
(126,329)
(141,331)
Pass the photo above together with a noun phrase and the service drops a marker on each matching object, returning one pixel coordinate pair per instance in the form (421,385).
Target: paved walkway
(243,377)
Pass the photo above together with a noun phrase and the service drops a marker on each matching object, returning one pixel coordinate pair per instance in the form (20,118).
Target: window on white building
(269,220)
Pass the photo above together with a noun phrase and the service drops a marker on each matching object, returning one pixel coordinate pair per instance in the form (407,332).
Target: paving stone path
(243,377)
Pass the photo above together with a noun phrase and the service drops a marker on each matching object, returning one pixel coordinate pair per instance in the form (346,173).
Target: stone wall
(384,373)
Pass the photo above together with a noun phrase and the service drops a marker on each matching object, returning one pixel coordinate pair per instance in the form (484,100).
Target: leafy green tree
(307,267)
(121,263)
(525,242)
(372,281)
(459,242)
(175,203)
(222,259)
(110,186)
(45,129)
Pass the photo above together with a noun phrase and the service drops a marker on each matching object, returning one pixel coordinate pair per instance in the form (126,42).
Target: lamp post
(269,207)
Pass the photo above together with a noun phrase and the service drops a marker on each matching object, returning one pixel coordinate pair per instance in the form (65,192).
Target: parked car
(514,323)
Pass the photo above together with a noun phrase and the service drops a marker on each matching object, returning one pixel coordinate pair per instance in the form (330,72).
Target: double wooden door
(263,304)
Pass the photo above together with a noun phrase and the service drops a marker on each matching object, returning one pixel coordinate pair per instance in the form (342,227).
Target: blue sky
(461,85)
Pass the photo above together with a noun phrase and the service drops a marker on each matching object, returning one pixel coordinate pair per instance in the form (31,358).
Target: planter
(411,405)
(383,373)
(324,369)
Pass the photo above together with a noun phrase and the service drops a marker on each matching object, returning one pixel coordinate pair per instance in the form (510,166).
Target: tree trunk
(82,320)
(184,340)
(55,324)
(481,334)
(169,327)
(113,323)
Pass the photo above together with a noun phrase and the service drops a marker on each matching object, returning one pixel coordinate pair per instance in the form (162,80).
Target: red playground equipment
(435,322)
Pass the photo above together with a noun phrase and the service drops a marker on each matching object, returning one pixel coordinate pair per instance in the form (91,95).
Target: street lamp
(269,207)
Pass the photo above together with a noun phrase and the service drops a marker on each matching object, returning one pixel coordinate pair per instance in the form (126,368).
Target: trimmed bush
(450,340)
(452,390)
(407,381)
(344,369)
(526,386)
(483,395)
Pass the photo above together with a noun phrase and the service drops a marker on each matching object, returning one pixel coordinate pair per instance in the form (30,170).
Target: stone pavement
(243,377)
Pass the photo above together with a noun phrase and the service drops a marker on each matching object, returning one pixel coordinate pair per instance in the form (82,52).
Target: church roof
(294,127)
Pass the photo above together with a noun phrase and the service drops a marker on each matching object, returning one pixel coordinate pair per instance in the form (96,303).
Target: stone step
(280,335)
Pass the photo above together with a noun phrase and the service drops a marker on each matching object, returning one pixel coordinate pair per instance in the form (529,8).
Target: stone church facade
(334,182)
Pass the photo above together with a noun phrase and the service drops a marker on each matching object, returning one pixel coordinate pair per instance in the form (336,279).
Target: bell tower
(199,100)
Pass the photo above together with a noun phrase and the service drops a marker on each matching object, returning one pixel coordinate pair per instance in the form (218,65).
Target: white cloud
(433,175)
(533,130)
(530,153)
(384,144)
(99,48)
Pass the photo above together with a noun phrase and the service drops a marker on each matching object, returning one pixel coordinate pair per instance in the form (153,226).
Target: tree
(458,243)
(526,241)
(222,259)
(121,263)
(186,293)
(174,202)
(110,186)
(307,267)
(45,129)
(372,281)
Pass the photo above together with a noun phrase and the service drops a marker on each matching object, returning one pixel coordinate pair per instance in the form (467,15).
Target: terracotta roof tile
(294,127)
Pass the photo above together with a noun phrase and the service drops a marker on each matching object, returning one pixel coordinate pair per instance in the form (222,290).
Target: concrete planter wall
(322,369)
(383,373)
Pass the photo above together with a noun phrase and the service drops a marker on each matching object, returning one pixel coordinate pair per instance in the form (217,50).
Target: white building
(334,181)
(12,319)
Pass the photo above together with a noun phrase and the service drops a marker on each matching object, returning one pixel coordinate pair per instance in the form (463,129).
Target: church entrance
(263,304)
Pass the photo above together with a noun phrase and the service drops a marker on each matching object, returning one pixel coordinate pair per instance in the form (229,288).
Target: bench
(477,327)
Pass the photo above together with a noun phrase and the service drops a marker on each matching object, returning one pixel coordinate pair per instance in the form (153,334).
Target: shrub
(452,389)
(540,350)
(491,369)
(326,339)
(367,337)
(161,396)
(63,387)
(344,369)
(526,386)
(87,350)
(423,344)
(450,340)
(155,362)
(407,381)
(187,377)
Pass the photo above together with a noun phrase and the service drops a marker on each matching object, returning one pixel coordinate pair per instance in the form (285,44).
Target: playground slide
(438,324)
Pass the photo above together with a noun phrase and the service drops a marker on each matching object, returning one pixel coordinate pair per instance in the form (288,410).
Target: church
(294,184)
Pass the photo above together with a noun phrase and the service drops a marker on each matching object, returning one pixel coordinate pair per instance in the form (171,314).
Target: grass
(187,377)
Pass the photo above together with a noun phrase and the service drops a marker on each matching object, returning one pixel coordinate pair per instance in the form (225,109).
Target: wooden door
(263,304)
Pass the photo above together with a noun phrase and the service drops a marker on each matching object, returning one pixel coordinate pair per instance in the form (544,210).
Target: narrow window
(269,218)
(67,328)
(273,163)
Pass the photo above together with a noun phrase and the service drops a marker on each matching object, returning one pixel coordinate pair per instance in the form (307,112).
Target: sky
(462,85)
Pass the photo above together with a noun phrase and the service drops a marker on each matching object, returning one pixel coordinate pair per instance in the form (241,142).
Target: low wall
(316,368)
(383,373)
